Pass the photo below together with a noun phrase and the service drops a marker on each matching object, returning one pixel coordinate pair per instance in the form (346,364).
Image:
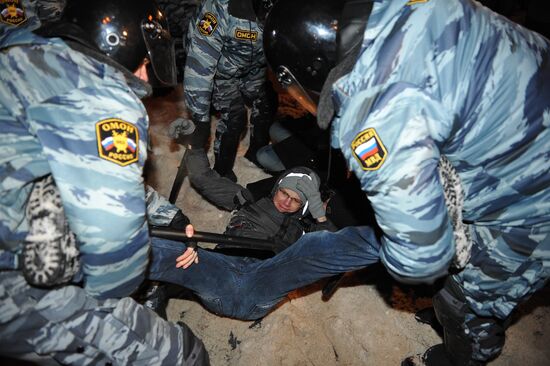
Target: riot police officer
(75,241)
(441,109)
(225,69)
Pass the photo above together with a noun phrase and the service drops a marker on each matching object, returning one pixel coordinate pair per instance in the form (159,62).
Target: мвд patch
(368,149)
(12,12)
(208,23)
(117,141)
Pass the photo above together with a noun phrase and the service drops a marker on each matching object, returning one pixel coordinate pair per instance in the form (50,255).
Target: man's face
(287,201)
(141,71)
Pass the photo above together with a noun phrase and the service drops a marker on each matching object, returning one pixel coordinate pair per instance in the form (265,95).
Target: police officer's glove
(310,189)
(180,128)
(179,221)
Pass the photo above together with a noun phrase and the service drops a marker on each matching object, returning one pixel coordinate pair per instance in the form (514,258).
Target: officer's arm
(396,155)
(160,212)
(204,51)
(95,143)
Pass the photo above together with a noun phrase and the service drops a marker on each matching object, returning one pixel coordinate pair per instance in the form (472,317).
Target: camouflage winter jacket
(65,113)
(447,78)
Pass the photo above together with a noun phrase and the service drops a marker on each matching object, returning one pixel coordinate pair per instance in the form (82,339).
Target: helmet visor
(307,100)
(160,47)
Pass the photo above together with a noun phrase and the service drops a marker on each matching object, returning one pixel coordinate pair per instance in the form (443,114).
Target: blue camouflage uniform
(226,68)
(453,79)
(66,114)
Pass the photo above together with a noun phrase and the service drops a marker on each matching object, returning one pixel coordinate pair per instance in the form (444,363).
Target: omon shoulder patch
(12,12)
(117,141)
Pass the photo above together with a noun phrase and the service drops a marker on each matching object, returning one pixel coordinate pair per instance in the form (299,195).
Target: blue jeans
(247,288)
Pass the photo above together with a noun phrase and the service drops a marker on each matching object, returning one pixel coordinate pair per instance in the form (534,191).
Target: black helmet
(261,8)
(309,42)
(127,31)
(300,45)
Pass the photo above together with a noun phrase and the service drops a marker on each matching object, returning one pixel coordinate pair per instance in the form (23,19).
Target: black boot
(258,139)
(438,356)
(434,356)
(156,299)
(225,156)
(194,353)
(427,316)
(224,163)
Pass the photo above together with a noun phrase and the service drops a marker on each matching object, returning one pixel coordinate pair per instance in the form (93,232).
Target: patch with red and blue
(369,150)
(207,25)
(12,12)
(117,141)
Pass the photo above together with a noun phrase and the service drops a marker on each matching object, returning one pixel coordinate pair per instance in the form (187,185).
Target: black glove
(179,221)
(180,129)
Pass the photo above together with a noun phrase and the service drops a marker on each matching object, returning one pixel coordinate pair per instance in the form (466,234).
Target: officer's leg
(263,99)
(507,266)
(195,157)
(199,138)
(228,100)
(247,289)
(70,327)
(465,334)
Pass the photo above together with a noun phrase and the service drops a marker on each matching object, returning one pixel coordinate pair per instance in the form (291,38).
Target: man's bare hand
(190,255)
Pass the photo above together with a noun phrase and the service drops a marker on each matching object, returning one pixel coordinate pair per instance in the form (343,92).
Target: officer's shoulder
(221,4)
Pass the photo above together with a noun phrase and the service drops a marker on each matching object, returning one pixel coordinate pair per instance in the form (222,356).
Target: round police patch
(117,141)
(12,12)
(207,25)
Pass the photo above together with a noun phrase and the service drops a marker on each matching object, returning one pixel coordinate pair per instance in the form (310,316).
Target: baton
(201,236)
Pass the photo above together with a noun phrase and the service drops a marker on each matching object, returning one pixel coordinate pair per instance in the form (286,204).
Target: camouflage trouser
(67,326)
(230,98)
(475,306)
